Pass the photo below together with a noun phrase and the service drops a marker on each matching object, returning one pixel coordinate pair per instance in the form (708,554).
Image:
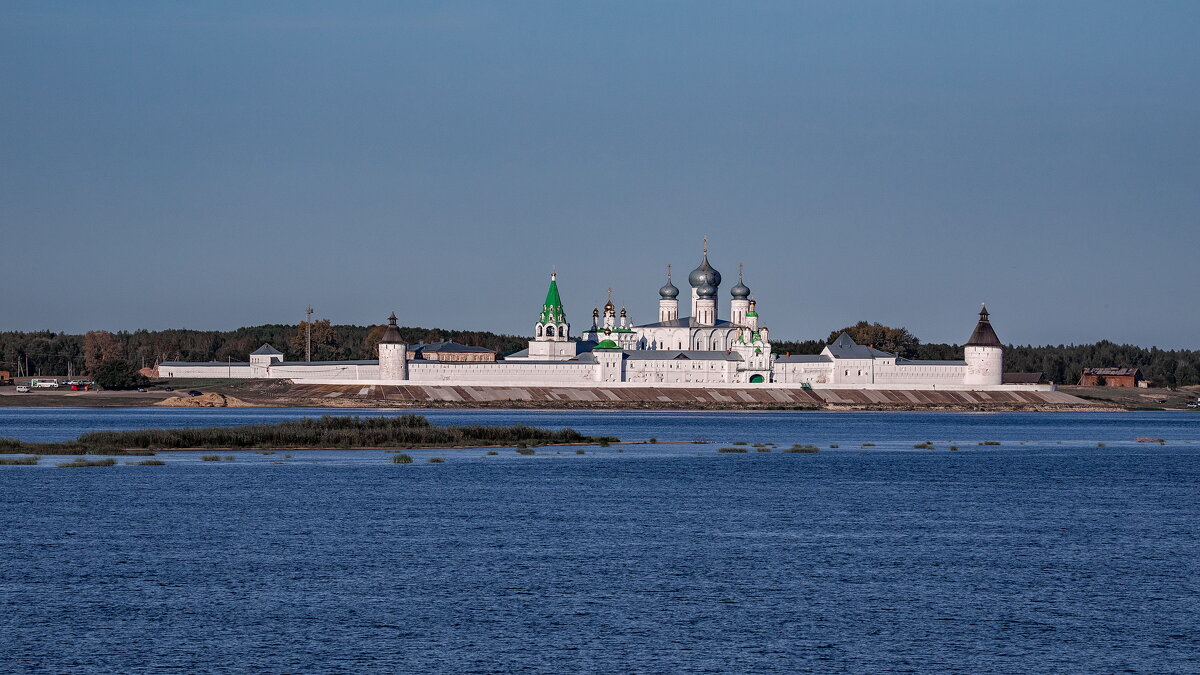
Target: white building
(699,349)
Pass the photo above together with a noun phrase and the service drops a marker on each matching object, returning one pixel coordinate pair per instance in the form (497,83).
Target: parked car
(168,388)
(1193,404)
(195,392)
(23,388)
(142,390)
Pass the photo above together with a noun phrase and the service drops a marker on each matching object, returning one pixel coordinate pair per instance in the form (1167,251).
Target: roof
(1021,378)
(448,346)
(684,355)
(266,350)
(391,334)
(685,322)
(920,362)
(844,347)
(984,335)
(606,344)
(1111,372)
(205,364)
(803,358)
(552,309)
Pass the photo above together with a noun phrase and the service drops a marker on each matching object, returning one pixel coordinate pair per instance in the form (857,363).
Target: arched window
(539,331)
(549,331)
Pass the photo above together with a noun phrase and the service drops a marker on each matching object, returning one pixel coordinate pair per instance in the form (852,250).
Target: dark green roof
(606,344)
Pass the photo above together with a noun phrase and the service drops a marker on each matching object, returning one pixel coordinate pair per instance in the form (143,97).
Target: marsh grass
(867,445)
(229,458)
(833,446)
(738,450)
(402,459)
(796,447)
(581,451)
(344,431)
(81,462)
(739,442)
(927,445)
(762,449)
(1099,445)
(954,447)
(492,452)
(435,460)
(989,443)
(19,461)
(652,440)
(210,458)
(522,450)
(148,462)
(266,452)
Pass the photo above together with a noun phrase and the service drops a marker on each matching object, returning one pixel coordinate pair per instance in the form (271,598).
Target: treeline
(49,353)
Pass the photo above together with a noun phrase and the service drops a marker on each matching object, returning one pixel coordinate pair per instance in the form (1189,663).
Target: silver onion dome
(741,291)
(706,290)
(668,292)
(704,274)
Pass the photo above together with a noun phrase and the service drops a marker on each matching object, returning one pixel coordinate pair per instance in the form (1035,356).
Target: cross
(739,271)
(668,271)
(706,244)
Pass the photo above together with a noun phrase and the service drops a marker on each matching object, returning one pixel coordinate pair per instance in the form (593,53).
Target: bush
(435,460)
(401,459)
(148,462)
(796,447)
(653,440)
(924,446)
(581,452)
(522,450)
(19,461)
(492,452)
(210,458)
(109,461)
(731,450)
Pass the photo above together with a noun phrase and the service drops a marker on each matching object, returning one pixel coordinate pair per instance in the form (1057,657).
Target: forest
(59,354)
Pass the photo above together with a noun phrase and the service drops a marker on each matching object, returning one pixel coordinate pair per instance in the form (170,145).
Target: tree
(325,343)
(118,374)
(895,340)
(99,347)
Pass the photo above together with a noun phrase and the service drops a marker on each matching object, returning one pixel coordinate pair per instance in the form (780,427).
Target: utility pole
(308,312)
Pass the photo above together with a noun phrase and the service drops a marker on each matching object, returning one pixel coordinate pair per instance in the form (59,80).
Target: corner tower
(393,353)
(984,353)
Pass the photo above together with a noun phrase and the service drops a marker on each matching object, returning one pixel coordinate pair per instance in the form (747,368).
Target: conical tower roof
(984,335)
(391,334)
(552,309)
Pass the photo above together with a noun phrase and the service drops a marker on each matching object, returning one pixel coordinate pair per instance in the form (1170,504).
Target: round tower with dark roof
(393,353)
(739,305)
(984,353)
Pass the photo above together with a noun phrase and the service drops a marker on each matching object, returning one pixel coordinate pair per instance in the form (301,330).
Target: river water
(1068,547)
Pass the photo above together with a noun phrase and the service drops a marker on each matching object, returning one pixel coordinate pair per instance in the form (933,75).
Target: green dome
(606,344)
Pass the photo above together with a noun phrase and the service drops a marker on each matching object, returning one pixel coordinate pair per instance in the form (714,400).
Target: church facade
(698,349)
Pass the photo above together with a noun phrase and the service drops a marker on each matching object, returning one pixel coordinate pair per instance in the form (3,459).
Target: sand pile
(211,400)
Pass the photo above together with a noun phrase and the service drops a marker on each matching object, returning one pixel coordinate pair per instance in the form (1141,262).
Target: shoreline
(283,394)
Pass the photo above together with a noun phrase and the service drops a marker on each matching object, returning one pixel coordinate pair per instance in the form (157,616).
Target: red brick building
(1110,377)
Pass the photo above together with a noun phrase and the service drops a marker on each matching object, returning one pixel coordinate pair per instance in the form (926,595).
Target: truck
(5,378)
(44,383)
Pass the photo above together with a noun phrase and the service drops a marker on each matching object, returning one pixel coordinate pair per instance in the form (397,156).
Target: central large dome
(704,274)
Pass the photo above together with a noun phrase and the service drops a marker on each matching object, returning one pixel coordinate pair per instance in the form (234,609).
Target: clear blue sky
(218,164)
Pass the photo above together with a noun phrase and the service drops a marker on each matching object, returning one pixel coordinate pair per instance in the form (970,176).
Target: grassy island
(327,432)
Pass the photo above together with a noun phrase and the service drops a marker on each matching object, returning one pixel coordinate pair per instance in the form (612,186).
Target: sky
(221,164)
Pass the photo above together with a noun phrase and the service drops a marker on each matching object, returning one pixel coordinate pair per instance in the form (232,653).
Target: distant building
(1022,378)
(449,351)
(1111,377)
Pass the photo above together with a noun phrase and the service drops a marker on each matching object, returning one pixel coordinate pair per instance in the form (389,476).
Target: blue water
(1048,553)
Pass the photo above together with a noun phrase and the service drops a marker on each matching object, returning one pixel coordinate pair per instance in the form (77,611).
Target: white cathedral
(700,349)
